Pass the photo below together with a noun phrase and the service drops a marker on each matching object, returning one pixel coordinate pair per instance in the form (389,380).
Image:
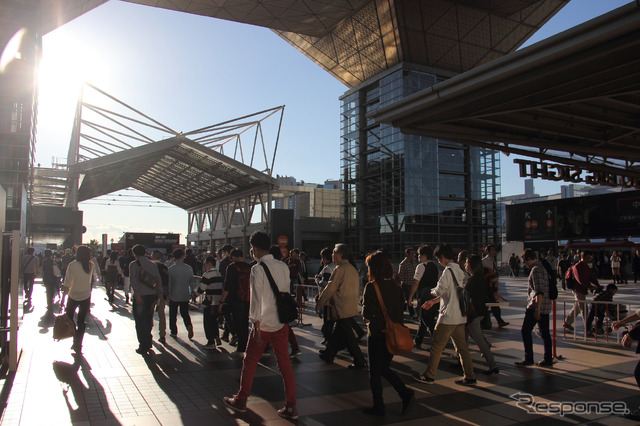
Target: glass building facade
(404,190)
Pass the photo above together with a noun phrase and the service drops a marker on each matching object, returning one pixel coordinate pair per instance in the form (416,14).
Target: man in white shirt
(451,322)
(263,314)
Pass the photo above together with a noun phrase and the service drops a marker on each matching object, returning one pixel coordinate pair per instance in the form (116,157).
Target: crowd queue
(238,292)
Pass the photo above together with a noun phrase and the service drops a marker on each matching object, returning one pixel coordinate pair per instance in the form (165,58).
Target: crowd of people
(239,297)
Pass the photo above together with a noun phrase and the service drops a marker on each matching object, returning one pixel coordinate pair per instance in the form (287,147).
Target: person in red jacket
(583,281)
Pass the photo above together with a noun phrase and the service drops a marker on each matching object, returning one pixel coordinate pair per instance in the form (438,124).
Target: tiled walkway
(184,384)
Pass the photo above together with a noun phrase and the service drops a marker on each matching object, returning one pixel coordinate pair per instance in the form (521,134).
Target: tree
(95,246)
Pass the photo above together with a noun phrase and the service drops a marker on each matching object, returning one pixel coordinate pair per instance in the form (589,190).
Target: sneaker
(568,326)
(466,382)
(546,364)
(288,412)
(524,363)
(235,404)
(423,378)
(295,353)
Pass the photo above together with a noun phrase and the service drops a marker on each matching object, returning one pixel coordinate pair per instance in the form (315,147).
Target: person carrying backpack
(237,294)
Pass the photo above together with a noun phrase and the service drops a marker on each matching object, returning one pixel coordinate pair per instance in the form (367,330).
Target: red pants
(279,341)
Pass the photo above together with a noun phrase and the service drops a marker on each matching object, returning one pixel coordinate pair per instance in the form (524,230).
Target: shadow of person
(85,390)
(102,331)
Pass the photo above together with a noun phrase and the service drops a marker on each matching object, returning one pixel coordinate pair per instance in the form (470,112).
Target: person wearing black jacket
(380,274)
(425,279)
(476,286)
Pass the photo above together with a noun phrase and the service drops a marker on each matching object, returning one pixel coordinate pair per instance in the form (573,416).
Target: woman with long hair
(77,285)
(380,275)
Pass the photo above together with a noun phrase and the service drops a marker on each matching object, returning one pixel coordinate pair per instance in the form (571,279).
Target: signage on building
(599,216)
(572,174)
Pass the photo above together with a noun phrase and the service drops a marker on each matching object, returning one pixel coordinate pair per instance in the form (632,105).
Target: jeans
(173,315)
(241,322)
(143,317)
(380,366)
(278,340)
(84,307)
(475,331)
(527,327)
(443,333)
(427,318)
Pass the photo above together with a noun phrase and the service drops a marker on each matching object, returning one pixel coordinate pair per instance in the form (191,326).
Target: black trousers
(83,306)
(342,337)
(210,322)
(379,367)
(241,322)
(173,315)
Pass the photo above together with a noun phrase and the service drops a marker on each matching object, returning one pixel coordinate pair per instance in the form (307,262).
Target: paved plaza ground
(182,383)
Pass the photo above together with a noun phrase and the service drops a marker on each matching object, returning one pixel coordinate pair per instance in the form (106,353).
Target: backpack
(243,292)
(164,276)
(553,283)
(464,298)
(569,279)
(112,273)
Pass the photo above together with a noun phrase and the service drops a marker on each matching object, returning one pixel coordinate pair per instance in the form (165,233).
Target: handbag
(63,327)
(286,304)
(145,277)
(397,336)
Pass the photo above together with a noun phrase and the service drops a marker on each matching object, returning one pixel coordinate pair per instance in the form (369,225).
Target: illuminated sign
(561,172)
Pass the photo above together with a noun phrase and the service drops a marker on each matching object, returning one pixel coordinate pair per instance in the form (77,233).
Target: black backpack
(553,283)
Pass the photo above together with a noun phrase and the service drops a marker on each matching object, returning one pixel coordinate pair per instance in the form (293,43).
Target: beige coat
(342,293)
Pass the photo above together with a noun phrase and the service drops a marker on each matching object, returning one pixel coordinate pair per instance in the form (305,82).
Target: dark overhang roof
(573,98)
(355,40)
(176,170)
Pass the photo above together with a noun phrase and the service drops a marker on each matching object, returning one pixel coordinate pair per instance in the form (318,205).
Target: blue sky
(188,71)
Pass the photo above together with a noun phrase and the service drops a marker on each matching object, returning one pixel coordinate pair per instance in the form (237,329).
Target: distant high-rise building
(528,187)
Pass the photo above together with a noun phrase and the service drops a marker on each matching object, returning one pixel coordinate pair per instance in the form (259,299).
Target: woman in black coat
(380,275)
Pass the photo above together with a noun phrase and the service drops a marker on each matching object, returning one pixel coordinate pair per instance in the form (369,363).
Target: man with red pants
(263,314)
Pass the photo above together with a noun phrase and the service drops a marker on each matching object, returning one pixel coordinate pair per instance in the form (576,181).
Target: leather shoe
(326,358)
(524,363)
(407,402)
(490,371)
(355,366)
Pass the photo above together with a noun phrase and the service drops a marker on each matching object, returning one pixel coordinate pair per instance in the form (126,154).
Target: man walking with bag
(263,314)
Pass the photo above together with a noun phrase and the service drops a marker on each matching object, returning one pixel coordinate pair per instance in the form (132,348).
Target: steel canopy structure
(573,98)
(176,170)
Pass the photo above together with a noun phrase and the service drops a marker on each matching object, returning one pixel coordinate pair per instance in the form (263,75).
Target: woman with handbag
(382,284)
(77,285)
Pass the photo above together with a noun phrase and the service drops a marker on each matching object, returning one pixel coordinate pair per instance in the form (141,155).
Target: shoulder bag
(145,277)
(397,336)
(464,298)
(286,304)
